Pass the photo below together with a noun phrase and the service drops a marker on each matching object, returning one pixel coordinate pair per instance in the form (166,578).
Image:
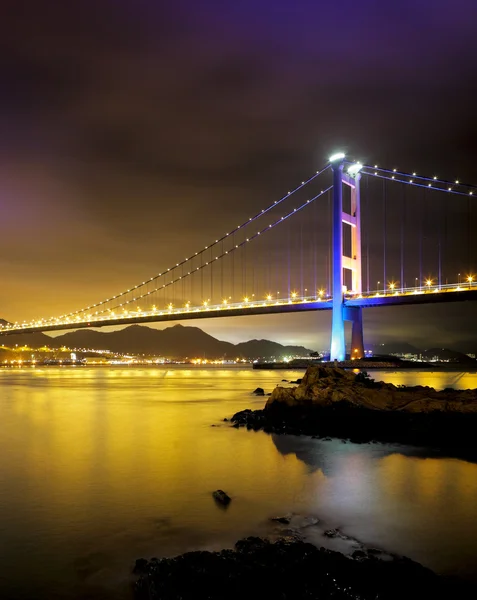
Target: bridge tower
(340,312)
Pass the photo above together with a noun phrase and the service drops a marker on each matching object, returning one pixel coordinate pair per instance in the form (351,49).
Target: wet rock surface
(289,569)
(339,404)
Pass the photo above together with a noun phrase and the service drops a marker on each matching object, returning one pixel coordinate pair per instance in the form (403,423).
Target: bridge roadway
(408,296)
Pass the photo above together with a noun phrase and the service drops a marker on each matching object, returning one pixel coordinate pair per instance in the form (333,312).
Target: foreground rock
(334,402)
(285,570)
(221,497)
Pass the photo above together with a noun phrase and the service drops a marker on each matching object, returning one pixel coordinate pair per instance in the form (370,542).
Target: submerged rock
(284,520)
(221,497)
(259,392)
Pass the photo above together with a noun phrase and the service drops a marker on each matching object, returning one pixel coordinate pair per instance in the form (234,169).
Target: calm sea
(100,466)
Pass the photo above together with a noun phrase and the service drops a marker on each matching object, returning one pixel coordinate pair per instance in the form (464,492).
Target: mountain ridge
(176,341)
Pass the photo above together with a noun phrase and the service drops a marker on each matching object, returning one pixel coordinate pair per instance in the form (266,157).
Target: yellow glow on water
(122,461)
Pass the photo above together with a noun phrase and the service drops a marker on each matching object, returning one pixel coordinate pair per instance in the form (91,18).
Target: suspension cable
(199,253)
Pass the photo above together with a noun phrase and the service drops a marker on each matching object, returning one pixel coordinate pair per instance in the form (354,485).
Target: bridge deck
(254,308)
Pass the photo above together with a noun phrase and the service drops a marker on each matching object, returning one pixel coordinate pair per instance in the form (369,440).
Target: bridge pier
(355,315)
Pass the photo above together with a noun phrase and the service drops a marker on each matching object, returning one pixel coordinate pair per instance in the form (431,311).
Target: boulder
(259,392)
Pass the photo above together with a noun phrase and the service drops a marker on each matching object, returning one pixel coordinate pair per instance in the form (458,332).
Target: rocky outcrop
(289,569)
(337,403)
(326,386)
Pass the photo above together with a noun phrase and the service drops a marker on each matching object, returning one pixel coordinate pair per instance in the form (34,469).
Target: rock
(259,392)
(140,565)
(251,544)
(359,554)
(331,533)
(286,380)
(288,569)
(334,403)
(221,497)
(284,520)
(325,386)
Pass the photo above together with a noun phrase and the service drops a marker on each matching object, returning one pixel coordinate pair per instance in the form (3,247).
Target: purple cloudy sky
(125,124)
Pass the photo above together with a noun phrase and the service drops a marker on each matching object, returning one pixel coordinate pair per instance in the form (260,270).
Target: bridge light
(337,156)
(224,301)
(269,297)
(355,169)
(392,285)
(428,282)
(293,294)
(170,306)
(246,299)
(205,302)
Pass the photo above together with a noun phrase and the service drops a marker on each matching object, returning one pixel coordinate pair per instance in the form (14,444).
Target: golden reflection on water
(119,463)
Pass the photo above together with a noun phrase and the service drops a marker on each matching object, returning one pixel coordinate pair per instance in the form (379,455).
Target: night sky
(135,132)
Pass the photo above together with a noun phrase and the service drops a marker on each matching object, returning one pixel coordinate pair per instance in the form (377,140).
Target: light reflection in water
(101,466)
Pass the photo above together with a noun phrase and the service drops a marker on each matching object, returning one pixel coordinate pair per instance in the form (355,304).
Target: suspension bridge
(348,237)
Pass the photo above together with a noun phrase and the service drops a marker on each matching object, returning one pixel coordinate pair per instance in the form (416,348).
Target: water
(103,465)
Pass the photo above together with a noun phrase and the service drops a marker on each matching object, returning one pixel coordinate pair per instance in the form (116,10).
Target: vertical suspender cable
(403,221)
(301,257)
(469,266)
(421,233)
(367,235)
(439,257)
(384,236)
(330,226)
(314,222)
(288,258)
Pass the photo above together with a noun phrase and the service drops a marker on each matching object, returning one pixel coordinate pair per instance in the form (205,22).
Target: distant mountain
(33,340)
(172,342)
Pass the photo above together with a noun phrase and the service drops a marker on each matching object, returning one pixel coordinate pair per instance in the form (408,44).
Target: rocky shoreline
(327,402)
(287,569)
(334,403)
